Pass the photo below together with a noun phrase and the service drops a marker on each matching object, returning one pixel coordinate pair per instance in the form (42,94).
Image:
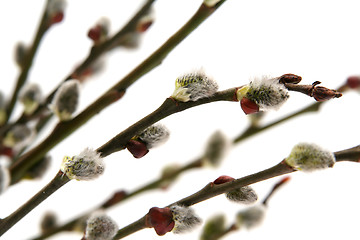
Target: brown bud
(95,33)
(223,179)
(353,81)
(323,94)
(137,148)
(115,198)
(290,78)
(56,17)
(161,219)
(249,106)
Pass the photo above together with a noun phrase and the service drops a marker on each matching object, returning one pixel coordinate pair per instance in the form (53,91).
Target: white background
(318,40)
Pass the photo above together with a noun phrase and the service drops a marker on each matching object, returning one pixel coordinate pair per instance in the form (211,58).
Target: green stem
(58,181)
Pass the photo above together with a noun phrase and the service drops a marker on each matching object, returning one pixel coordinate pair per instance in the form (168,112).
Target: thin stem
(29,57)
(94,54)
(58,181)
(64,129)
(212,190)
(155,184)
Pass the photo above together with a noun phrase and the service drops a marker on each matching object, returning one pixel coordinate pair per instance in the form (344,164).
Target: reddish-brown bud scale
(353,81)
(223,179)
(137,148)
(116,198)
(143,26)
(161,219)
(290,78)
(57,17)
(95,33)
(323,94)
(249,106)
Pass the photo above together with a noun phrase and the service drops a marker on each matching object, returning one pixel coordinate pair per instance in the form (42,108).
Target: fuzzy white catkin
(87,165)
(193,86)
(66,99)
(309,157)
(244,195)
(185,219)
(18,137)
(4,178)
(100,227)
(251,217)
(216,149)
(266,92)
(154,135)
(30,96)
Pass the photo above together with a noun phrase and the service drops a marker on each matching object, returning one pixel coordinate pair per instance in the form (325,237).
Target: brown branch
(212,190)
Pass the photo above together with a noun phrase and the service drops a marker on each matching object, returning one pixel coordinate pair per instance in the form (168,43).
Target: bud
(30,97)
(66,100)
(154,135)
(48,222)
(100,227)
(185,219)
(309,157)
(249,106)
(38,169)
(290,78)
(214,228)
(216,149)
(115,198)
(145,22)
(20,54)
(85,166)
(267,93)
(161,219)
(100,31)
(193,86)
(4,178)
(151,137)
(18,137)
(250,217)
(244,195)
(137,148)
(323,94)
(353,82)
(211,3)
(168,175)
(55,10)
(223,179)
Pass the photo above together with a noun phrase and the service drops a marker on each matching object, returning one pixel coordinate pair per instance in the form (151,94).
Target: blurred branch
(28,60)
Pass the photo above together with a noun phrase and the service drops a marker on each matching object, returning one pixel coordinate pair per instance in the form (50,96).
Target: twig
(94,54)
(64,129)
(151,185)
(212,190)
(43,27)
(58,181)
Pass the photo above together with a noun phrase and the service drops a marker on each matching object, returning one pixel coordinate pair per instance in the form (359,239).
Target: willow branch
(94,54)
(64,129)
(29,57)
(58,181)
(155,184)
(212,190)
